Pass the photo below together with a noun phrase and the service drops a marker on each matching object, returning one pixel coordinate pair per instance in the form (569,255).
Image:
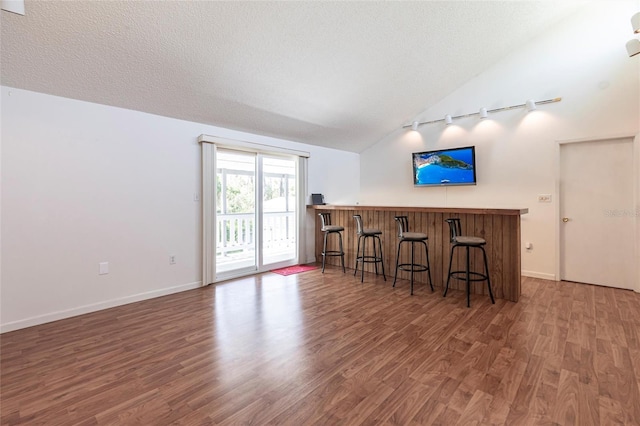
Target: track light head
(531,105)
(633,47)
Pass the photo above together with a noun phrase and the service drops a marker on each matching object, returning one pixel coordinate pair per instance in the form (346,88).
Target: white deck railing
(236,235)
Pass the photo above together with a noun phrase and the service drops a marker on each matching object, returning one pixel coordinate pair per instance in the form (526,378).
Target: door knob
(565,219)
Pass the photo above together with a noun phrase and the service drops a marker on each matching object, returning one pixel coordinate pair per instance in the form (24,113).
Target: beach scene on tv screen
(454,167)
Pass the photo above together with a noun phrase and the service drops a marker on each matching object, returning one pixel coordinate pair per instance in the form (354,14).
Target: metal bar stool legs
(326,252)
(327,228)
(361,250)
(486,270)
(467,275)
(413,238)
(413,266)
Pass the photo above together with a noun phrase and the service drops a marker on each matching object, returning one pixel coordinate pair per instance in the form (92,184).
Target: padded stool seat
(329,229)
(414,236)
(332,228)
(470,241)
(361,257)
(371,231)
(467,275)
(411,237)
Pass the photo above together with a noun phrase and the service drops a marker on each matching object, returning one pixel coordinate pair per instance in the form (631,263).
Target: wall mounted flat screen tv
(455,166)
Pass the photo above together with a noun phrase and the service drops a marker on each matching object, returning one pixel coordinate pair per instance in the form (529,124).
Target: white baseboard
(68,313)
(541,275)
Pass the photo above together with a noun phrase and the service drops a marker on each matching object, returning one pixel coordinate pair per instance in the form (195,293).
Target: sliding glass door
(279,230)
(256,205)
(235,211)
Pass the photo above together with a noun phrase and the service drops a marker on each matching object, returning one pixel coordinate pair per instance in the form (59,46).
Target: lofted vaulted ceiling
(336,74)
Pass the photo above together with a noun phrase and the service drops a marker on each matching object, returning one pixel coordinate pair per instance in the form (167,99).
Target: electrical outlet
(544,198)
(172,259)
(103,268)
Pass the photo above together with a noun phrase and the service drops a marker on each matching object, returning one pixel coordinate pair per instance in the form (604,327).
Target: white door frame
(208,148)
(636,196)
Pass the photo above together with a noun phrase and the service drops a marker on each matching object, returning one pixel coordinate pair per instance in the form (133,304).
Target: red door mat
(290,270)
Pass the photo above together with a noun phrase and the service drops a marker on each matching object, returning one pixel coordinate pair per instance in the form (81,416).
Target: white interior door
(597,228)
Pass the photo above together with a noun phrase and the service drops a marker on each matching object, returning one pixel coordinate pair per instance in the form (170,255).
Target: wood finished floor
(325,349)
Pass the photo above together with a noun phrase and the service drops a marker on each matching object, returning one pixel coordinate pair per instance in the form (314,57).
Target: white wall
(584,61)
(84,183)
(336,174)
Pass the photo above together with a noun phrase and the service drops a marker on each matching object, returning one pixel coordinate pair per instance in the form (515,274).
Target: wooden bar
(499,227)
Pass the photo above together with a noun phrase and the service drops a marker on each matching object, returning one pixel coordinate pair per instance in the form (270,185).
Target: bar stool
(375,258)
(327,228)
(459,240)
(413,238)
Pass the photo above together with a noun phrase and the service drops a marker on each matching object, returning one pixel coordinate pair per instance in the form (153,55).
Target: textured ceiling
(337,74)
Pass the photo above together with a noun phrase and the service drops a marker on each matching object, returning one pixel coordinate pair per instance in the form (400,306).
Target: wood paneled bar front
(499,227)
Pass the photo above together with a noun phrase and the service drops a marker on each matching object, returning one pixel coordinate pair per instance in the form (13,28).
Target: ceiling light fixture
(530,105)
(633,45)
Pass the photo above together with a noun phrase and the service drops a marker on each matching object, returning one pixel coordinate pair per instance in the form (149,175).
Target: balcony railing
(236,238)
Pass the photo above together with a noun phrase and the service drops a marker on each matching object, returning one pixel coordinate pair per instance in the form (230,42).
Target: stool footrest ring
(473,276)
(415,267)
(368,259)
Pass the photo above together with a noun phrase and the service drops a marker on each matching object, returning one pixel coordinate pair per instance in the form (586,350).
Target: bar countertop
(461,210)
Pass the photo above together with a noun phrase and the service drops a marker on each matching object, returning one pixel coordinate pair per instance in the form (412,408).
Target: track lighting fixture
(530,105)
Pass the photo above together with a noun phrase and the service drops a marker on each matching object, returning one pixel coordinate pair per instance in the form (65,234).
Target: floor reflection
(258,321)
